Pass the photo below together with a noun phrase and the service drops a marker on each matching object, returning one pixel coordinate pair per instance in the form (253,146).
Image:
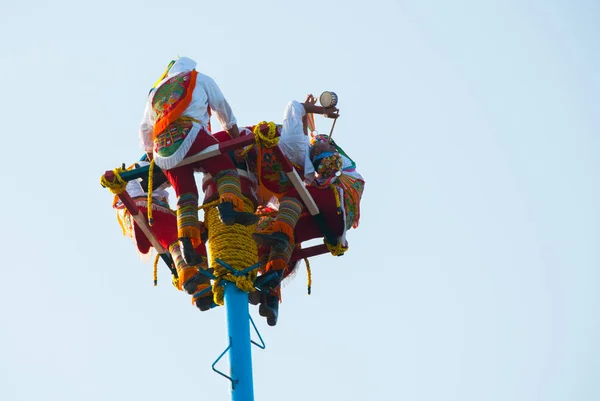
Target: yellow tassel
(308,274)
(155,271)
(120,220)
(175,282)
(150,185)
(338,202)
(164,74)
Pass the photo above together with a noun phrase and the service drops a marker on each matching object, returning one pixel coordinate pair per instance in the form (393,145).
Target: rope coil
(235,246)
(270,139)
(117,185)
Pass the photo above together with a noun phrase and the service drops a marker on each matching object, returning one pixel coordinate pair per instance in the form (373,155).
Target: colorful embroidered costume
(337,190)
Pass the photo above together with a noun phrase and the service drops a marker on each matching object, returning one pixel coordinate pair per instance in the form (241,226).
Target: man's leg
(227,179)
(307,227)
(269,307)
(281,241)
(289,229)
(191,280)
(188,227)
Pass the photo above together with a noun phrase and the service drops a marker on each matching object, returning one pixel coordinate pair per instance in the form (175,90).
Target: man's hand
(311,107)
(331,112)
(237,154)
(310,99)
(234,132)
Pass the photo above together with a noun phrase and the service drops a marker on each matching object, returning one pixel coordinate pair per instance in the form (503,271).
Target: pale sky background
(474,274)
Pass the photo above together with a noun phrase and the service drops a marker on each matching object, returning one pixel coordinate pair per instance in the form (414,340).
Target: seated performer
(247,177)
(336,189)
(293,224)
(294,139)
(176,125)
(164,228)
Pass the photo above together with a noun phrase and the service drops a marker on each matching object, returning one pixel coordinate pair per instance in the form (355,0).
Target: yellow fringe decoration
(270,139)
(118,185)
(235,246)
(175,282)
(238,203)
(338,202)
(193,233)
(150,185)
(308,274)
(155,269)
(336,250)
(120,220)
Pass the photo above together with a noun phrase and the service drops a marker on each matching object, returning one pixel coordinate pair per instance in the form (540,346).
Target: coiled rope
(233,245)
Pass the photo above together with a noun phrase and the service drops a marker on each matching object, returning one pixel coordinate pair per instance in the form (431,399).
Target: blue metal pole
(240,354)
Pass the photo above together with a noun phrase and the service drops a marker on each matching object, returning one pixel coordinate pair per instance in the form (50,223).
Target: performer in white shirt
(336,188)
(176,125)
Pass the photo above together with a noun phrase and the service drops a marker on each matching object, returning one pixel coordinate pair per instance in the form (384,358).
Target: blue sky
(473,275)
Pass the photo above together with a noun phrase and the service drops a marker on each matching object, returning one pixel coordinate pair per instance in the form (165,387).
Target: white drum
(328,99)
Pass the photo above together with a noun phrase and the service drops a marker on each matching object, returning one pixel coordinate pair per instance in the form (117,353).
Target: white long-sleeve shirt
(293,143)
(206,93)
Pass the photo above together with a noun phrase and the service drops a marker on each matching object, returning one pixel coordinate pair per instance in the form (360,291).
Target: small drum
(328,99)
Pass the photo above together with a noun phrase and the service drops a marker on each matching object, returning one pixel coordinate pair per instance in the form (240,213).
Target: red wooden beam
(137,215)
(309,252)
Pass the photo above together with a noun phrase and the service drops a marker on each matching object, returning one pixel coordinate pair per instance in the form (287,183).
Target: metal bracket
(202,292)
(233,382)
(206,273)
(235,272)
(263,346)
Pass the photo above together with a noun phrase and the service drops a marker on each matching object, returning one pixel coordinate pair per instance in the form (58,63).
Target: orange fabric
(238,203)
(174,114)
(192,233)
(276,265)
(186,274)
(264,193)
(280,226)
(200,288)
